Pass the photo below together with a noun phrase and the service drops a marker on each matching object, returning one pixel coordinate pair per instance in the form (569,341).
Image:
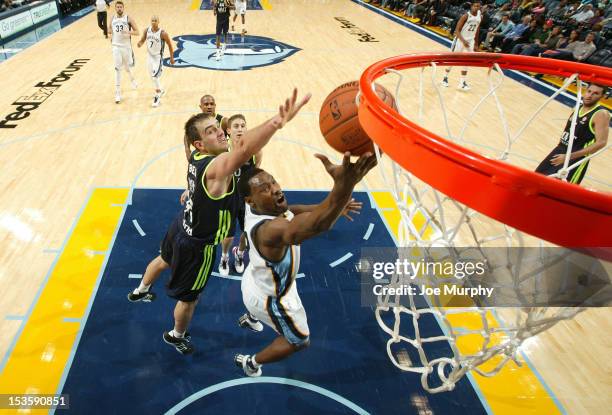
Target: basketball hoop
(432,175)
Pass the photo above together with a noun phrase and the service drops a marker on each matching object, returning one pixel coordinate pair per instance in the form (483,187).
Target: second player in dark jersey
(237,127)
(590,135)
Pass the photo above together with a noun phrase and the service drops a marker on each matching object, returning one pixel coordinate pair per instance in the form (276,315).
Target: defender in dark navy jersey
(188,248)
(237,127)
(590,135)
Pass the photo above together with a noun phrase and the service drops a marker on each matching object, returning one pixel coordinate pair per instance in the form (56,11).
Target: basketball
(339,122)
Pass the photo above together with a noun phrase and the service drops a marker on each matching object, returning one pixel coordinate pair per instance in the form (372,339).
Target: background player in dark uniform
(237,127)
(590,135)
(189,246)
(221,9)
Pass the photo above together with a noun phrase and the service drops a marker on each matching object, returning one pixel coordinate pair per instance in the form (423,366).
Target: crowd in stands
(71,6)
(65,6)
(562,29)
(12,4)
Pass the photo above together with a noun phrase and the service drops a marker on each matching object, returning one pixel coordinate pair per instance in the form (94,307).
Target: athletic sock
(143,288)
(177,335)
(254,363)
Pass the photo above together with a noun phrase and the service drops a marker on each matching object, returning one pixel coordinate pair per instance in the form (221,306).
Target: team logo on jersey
(241,54)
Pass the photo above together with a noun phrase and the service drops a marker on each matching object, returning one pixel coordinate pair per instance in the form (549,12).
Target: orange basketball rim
(551,209)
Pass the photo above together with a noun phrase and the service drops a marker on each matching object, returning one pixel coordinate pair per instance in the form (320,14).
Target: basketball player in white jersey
(240,9)
(275,232)
(122,28)
(156,39)
(466,40)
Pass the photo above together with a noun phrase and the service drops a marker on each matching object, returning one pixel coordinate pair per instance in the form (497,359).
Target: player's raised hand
(352,207)
(290,108)
(349,173)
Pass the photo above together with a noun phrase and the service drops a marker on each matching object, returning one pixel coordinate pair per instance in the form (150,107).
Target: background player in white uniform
(466,39)
(275,232)
(156,38)
(122,27)
(241,8)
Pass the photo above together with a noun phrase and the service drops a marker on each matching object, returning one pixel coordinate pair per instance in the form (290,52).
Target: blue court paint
(122,353)
(542,87)
(251,5)
(71,320)
(229,277)
(340,260)
(368,232)
(138,228)
(266,379)
(14,318)
(50,251)
(135,276)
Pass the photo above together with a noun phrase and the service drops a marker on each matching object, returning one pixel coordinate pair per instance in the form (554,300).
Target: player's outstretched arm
(255,139)
(352,207)
(276,234)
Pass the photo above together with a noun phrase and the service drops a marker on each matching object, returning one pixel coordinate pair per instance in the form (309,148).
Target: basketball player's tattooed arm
(166,38)
(351,207)
(601,124)
(458,30)
(254,140)
(274,236)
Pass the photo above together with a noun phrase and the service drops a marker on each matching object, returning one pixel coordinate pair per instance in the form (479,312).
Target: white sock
(239,252)
(255,364)
(225,256)
(177,335)
(143,288)
(157,84)
(462,79)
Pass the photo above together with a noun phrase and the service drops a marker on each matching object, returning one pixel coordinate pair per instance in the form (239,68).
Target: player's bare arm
(352,207)
(253,141)
(134,28)
(460,24)
(274,236)
(142,39)
(166,38)
(601,124)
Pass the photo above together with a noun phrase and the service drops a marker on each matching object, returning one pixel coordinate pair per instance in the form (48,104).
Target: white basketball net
(430,219)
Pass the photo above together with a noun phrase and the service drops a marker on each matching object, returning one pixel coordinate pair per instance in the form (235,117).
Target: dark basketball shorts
(240,216)
(222,25)
(575,175)
(191,262)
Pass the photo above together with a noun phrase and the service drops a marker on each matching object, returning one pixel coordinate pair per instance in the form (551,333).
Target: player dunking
(237,127)
(122,28)
(156,39)
(240,9)
(275,232)
(466,39)
(189,246)
(590,136)
(221,9)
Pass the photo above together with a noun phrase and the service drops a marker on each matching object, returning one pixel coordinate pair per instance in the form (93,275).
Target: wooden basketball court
(74,156)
